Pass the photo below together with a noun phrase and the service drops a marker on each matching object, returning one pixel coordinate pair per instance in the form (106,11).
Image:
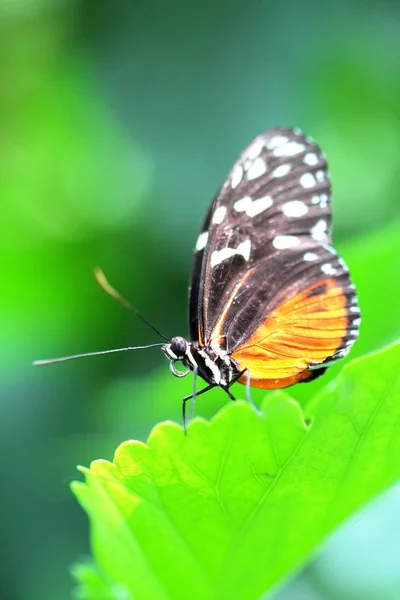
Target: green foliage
(95,586)
(232,508)
(115,135)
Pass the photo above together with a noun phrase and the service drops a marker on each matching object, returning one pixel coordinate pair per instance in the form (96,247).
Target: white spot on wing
(202,241)
(307,180)
(294,208)
(259,206)
(219,215)
(282,170)
(310,159)
(328,269)
(251,207)
(289,149)
(247,164)
(258,168)
(318,232)
(343,264)
(236,176)
(245,249)
(356,322)
(218,256)
(310,256)
(320,175)
(277,140)
(243,204)
(343,352)
(338,355)
(255,149)
(355,309)
(323,200)
(282,242)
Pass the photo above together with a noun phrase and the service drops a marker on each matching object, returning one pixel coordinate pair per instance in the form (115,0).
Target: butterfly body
(216,367)
(271,303)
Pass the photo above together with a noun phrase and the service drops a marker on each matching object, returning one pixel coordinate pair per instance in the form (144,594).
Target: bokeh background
(118,121)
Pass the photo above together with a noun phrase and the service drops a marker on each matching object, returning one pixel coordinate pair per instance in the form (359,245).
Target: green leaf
(93,585)
(232,508)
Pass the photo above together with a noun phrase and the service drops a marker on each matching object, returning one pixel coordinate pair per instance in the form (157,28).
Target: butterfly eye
(178,346)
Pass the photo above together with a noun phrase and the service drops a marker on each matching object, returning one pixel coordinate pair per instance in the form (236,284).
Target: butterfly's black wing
(266,284)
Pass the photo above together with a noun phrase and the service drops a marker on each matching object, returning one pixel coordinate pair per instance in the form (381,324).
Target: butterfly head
(215,366)
(178,350)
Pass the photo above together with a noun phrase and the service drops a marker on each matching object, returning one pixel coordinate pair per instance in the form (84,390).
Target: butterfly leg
(231,396)
(226,389)
(186,398)
(194,395)
(248,392)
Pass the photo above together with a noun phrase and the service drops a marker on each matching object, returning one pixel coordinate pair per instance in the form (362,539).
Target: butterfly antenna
(105,285)
(42,363)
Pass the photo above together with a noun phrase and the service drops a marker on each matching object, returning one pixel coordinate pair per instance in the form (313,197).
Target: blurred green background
(118,121)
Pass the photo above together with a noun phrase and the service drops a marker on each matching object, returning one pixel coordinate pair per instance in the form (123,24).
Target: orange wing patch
(306,329)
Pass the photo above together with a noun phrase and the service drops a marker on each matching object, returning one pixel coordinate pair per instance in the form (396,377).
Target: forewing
(276,196)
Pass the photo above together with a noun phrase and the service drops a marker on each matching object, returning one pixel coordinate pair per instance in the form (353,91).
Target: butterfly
(271,303)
